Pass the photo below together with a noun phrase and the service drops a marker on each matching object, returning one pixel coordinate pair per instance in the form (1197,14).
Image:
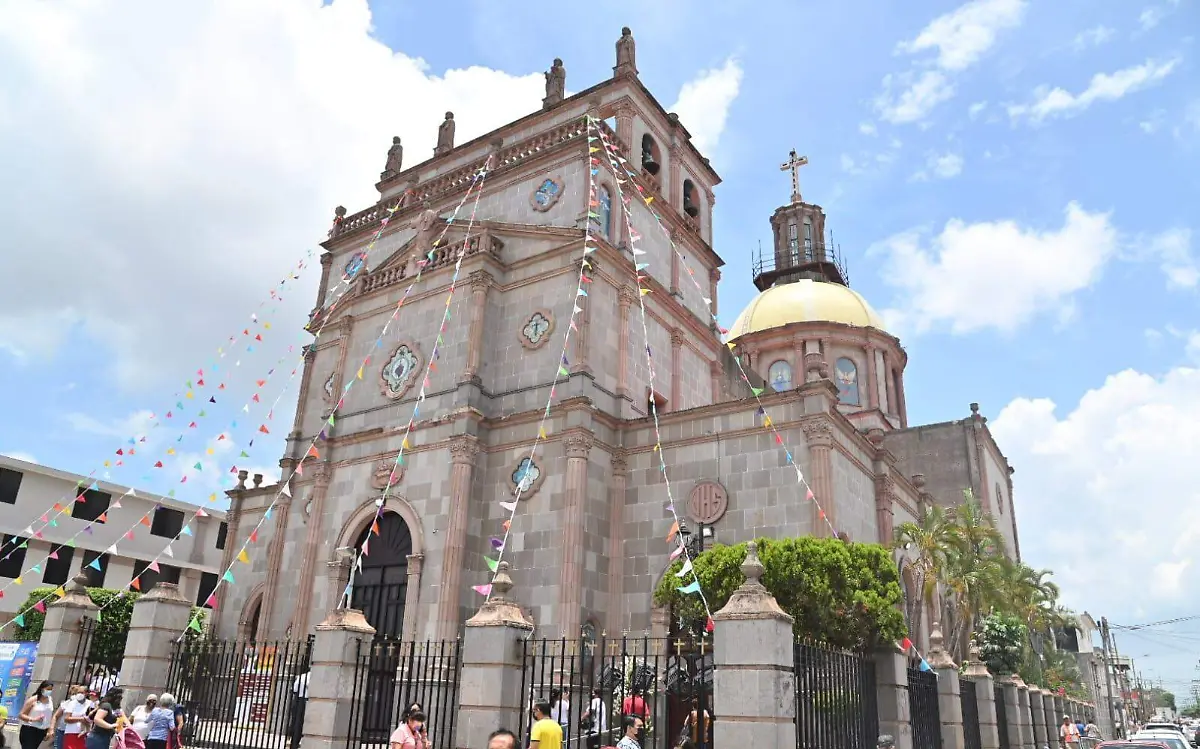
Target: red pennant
(254,536)
(264,429)
(192,425)
(120,451)
(158,464)
(136,584)
(312,452)
(262,382)
(258,337)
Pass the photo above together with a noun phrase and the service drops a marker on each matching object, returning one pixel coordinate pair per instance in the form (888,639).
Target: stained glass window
(780,375)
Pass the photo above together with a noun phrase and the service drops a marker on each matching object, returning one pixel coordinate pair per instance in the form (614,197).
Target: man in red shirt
(635,704)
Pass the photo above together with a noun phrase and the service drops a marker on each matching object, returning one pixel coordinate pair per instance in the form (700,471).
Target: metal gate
(240,694)
(390,676)
(923,711)
(96,664)
(835,699)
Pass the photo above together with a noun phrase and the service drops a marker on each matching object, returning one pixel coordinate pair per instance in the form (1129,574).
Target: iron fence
(93,664)
(391,676)
(970,714)
(923,711)
(593,687)
(241,694)
(1001,716)
(835,699)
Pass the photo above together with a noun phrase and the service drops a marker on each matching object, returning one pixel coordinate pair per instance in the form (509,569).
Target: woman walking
(107,719)
(35,717)
(74,719)
(161,722)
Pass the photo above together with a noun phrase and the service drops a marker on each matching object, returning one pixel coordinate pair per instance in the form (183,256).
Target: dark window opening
(167,523)
(691,199)
(148,577)
(58,566)
(90,505)
(10,484)
(208,583)
(95,576)
(222,535)
(656,402)
(651,161)
(12,556)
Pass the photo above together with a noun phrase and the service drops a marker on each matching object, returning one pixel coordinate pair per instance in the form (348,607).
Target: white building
(28,494)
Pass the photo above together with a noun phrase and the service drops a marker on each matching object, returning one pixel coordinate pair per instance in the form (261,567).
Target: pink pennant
(483,590)
(40,607)
(211,602)
(154,566)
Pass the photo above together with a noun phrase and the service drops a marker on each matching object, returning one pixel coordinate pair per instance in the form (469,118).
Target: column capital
(327,257)
(817,433)
(626,296)
(676,338)
(415,564)
(463,449)
(345,324)
(481,280)
(619,462)
(578,443)
(714,274)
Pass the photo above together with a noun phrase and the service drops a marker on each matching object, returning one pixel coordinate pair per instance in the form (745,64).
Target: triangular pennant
(692,587)
(685,569)
(509,506)
(228,577)
(492,564)
(194,624)
(483,590)
(243,557)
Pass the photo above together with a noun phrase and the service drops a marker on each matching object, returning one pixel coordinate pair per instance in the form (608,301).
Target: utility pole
(1112,719)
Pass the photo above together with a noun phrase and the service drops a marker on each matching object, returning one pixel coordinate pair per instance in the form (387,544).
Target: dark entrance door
(379,592)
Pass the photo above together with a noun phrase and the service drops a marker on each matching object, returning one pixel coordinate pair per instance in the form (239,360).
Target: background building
(27,491)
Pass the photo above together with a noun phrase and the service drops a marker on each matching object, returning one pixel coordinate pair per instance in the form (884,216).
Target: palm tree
(973,570)
(929,539)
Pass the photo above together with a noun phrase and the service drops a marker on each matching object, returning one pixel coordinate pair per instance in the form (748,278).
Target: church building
(587,544)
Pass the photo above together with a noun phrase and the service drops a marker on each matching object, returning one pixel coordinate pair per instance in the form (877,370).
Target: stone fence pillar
(158,620)
(1053,718)
(754,679)
(1037,706)
(985,697)
(62,637)
(335,654)
(891,696)
(949,694)
(1023,708)
(489,695)
(1012,711)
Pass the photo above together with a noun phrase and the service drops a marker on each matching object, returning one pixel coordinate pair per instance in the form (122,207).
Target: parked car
(1173,739)
(1132,744)
(1164,725)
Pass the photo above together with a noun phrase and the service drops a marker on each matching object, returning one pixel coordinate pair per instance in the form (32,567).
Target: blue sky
(1014,184)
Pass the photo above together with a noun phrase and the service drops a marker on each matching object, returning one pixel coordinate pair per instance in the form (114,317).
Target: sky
(1013,182)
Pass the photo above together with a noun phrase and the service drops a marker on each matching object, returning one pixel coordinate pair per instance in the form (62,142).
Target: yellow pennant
(766,421)
(243,557)
(649,200)
(360,373)
(59,592)
(644,291)
(541,433)
(404,444)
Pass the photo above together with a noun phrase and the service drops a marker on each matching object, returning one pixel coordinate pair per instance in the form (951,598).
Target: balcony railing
(823,260)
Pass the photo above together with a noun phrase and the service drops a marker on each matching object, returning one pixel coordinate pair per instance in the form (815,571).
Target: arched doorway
(381,587)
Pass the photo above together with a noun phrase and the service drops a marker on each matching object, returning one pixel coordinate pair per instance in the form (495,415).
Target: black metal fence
(390,676)
(835,699)
(1001,717)
(924,716)
(239,694)
(970,714)
(93,665)
(664,686)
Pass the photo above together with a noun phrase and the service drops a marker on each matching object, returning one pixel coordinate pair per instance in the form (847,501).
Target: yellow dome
(805,301)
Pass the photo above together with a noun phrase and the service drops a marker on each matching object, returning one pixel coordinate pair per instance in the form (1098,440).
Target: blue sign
(16,671)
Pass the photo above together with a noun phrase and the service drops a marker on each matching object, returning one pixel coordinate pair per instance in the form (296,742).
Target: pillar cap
(77,595)
(349,620)
(499,610)
(752,600)
(164,593)
(937,657)
(975,667)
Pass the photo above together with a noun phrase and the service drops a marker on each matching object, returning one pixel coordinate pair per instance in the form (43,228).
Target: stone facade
(588,539)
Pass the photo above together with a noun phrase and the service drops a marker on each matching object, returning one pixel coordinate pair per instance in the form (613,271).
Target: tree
(1001,643)
(1162,698)
(929,539)
(846,595)
(972,568)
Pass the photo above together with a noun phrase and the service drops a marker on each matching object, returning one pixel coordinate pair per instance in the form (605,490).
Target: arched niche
(249,620)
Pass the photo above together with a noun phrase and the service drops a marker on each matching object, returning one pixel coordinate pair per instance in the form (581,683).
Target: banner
(16,670)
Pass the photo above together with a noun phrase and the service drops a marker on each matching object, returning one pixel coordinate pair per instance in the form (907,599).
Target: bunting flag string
(909,649)
(562,372)
(613,157)
(129,448)
(757,392)
(364,550)
(243,557)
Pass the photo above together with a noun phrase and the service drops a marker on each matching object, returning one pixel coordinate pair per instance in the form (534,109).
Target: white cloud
(976,109)
(1151,17)
(703,103)
(177,159)
(960,38)
(940,166)
(995,274)
(1173,248)
(849,165)
(916,97)
(1058,102)
(963,35)
(1118,467)
(1153,122)
(1093,37)
(136,424)
(868,128)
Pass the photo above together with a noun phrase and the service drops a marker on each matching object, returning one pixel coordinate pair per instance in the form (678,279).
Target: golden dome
(805,301)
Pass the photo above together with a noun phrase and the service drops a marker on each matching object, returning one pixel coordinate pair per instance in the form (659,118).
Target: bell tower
(800,250)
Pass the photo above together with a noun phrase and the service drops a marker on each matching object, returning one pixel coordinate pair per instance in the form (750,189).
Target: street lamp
(695,544)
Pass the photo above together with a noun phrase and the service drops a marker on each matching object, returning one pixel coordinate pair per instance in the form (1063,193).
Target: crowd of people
(93,719)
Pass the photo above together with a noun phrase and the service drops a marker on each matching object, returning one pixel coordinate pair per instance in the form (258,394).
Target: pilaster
(676,370)
(949,691)
(578,444)
(463,451)
(819,437)
(625,299)
(323,474)
(283,513)
(1037,706)
(1012,707)
(714,277)
(412,596)
(1026,719)
(481,282)
(618,472)
(891,696)
(985,698)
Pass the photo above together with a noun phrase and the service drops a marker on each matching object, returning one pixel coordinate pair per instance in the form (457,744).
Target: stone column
(891,696)
(481,281)
(949,695)
(323,474)
(62,635)
(675,274)
(1012,707)
(625,299)
(1037,706)
(578,444)
(985,697)
(676,370)
(283,513)
(714,374)
(1060,708)
(754,680)
(579,341)
(885,503)
(714,277)
(819,436)
(463,451)
(490,694)
(618,468)
(310,355)
(1023,711)
(159,619)
(233,525)
(412,597)
(335,654)
(872,379)
(672,187)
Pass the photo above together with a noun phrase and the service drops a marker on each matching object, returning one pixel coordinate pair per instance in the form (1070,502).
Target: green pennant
(228,577)
(757,391)
(99,618)
(194,624)
(562,372)
(244,454)
(493,564)
(198,467)
(20,620)
(331,422)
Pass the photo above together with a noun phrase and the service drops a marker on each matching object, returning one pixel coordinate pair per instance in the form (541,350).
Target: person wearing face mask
(140,717)
(74,718)
(36,716)
(411,733)
(58,723)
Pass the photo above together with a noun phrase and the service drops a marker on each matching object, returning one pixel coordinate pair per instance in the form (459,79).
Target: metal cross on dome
(794,163)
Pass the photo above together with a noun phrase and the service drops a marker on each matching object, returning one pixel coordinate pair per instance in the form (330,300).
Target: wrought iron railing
(93,665)
(241,693)
(924,715)
(835,699)
(970,714)
(391,676)
(593,687)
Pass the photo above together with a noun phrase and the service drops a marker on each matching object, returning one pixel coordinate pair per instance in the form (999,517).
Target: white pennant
(509,506)
(685,569)
(287,489)
(168,551)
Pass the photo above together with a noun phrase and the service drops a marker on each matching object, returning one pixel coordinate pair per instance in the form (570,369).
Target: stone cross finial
(794,163)
(502,585)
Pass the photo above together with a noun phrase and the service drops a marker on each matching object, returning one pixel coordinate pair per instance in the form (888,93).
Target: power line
(1133,627)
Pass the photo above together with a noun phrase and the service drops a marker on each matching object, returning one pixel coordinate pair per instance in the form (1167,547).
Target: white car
(1171,737)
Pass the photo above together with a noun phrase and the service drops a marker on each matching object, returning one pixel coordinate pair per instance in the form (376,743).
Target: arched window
(847,382)
(604,223)
(808,242)
(650,159)
(691,199)
(793,244)
(780,376)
